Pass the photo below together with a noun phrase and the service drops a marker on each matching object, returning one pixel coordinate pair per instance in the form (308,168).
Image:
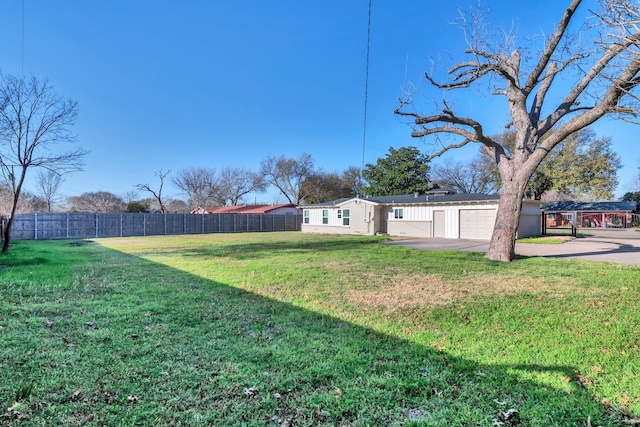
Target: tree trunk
(503,240)
(17,189)
(7,230)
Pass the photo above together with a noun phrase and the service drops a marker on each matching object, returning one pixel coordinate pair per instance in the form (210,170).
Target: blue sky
(208,83)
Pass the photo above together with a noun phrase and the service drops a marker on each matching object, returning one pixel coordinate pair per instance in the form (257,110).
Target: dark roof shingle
(408,199)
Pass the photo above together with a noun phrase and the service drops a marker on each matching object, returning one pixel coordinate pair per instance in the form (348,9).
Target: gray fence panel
(254,222)
(211,224)
(51,226)
(24,229)
(227,223)
(132,225)
(79,226)
(193,224)
(267,222)
(109,225)
(155,224)
(279,223)
(41,226)
(175,224)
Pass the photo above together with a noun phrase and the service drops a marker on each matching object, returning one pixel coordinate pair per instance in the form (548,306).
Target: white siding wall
(361,219)
(425,213)
(530,219)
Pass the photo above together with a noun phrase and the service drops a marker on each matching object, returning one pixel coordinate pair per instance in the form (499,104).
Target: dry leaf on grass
(76,394)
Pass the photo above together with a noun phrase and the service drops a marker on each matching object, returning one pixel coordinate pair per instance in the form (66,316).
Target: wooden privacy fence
(43,226)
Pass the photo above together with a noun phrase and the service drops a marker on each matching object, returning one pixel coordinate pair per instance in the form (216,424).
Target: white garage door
(477,223)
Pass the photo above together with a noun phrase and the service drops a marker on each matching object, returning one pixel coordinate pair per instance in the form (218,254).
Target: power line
(366,90)
(22,59)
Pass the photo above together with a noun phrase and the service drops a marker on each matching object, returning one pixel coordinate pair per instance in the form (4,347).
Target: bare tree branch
(156,195)
(33,120)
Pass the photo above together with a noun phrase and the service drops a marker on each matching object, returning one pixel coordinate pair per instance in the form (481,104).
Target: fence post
(96,220)
(202,223)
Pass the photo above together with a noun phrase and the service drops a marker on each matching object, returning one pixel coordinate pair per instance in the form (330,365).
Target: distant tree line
(582,167)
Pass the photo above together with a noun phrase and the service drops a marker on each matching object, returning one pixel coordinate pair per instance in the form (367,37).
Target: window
(325,216)
(306,217)
(398,213)
(345,217)
(339,213)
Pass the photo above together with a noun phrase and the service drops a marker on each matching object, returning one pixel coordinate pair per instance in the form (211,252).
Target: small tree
(97,201)
(27,203)
(288,175)
(401,171)
(324,186)
(235,183)
(33,120)
(465,178)
(198,184)
(597,81)
(157,195)
(48,184)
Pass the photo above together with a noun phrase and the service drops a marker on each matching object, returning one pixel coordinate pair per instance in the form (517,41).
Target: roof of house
(260,209)
(568,205)
(408,199)
(248,209)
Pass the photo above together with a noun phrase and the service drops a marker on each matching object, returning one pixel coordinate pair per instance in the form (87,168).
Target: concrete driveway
(619,246)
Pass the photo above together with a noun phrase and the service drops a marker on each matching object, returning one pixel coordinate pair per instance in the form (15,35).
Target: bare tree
(28,202)
(288,175)
(603,80)
(48,184)
(33,120)
(177,206)
(130,196)
(234,183)
(157,195)
(465,178)
(324,186)
(198,184)
(97,201)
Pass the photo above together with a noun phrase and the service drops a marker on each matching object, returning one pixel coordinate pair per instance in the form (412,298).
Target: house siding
(530,219)
(418,219)
(361,219)
(409,228)
(371,217)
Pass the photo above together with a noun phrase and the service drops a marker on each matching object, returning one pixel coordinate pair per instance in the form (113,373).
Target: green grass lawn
(546,240)
(292,329)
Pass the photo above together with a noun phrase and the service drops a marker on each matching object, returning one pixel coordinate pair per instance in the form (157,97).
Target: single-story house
(454,216)
(280,209)
(589,214)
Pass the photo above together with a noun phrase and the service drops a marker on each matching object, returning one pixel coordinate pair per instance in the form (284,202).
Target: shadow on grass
(169,348)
